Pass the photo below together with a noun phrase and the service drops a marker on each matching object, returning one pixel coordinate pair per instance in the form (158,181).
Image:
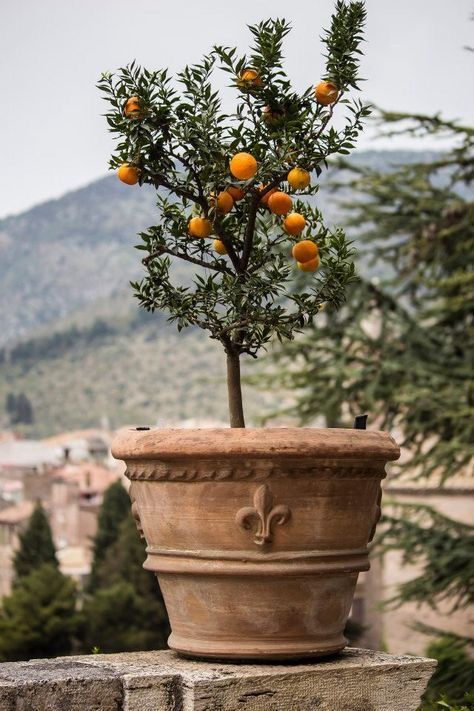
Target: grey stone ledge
(356,680)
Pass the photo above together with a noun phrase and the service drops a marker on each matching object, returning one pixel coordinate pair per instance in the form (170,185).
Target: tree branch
(250,229)
(187,258)
(225,239)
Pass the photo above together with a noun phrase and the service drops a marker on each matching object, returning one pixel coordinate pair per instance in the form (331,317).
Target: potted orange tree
(257,535)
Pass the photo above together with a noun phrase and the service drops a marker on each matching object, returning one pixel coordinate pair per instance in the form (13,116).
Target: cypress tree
(126,610)
(115,508)
(38,618)
(36,545)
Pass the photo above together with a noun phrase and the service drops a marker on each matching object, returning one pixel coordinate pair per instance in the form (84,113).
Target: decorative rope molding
(259,471)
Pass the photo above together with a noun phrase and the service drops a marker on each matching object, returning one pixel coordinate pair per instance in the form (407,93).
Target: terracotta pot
(257,536)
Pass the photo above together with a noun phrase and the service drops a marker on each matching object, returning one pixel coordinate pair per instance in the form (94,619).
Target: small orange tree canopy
(178,139)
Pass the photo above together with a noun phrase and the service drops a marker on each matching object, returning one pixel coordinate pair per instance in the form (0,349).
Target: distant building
(13,521)
(67,473)
(83,445)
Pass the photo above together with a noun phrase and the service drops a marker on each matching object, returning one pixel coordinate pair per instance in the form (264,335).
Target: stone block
(356,680)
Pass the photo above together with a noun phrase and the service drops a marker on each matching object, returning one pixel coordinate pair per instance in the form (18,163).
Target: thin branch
(187,258)
(226,240)
(187,164)
(176,189)
(250,229)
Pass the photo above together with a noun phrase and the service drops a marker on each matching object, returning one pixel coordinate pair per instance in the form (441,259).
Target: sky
(54,138)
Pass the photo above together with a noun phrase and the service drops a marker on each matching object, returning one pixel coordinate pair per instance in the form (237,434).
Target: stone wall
(356,680)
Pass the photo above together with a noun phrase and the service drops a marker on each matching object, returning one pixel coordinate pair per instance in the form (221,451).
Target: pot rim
(258,443)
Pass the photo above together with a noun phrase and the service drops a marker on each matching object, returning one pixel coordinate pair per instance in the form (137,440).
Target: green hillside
(117,365)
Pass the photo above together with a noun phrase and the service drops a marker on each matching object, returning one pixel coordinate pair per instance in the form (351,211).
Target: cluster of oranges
(326,92)
(243,166)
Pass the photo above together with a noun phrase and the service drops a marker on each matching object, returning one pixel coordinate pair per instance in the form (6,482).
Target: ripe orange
(279,203)
(132,107)
(128,174)
(294,223)
(199,227)
(243,166)
(219,246)
(249,78)
(309,266)
(225,202)
(266,197)
(326,93)
(236,193)
(305,251)
(298,178)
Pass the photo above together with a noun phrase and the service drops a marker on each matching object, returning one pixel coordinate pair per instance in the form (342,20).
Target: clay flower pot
(257,536)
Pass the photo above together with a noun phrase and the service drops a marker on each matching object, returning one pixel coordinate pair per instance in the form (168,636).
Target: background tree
(114,510)
(402,349)
(36,545)
(126,611)
(38,618)
(19,409)
(225,174)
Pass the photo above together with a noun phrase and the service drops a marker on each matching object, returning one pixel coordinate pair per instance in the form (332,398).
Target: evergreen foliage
(180,142)
(444,547)
(115,509)
(126,611)
(19,408)
(402,350)
(38,618)
(36,545)
(453,676)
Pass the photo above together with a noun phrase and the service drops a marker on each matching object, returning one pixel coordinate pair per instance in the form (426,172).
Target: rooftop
(17,513)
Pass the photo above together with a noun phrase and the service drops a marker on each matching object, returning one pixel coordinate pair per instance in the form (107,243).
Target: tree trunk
(234,390)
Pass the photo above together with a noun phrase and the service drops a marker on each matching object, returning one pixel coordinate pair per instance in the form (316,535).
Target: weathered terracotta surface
(257,535)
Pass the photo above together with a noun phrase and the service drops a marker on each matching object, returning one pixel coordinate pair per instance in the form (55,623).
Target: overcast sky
(52,52)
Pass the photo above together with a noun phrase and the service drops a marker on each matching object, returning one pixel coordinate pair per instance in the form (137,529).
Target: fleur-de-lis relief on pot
(262,516)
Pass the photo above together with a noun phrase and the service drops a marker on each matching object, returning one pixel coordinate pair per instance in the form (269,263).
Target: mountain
(70,252)
(73,340)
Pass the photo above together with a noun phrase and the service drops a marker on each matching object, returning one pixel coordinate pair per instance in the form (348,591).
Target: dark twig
(194,260)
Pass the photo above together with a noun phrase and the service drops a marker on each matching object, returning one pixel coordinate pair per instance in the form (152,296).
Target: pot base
(255,650)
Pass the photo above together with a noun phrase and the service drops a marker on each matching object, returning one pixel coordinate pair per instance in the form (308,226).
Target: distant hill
(69,252)
(73,340)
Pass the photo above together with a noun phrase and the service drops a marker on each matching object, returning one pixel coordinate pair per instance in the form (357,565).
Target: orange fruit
(266,197)
(279,203)
(298,178)
(326,93)
(305,251)
(199,227)
(132,106)
(248,79)
(219,246)
(225,202)
(128,174)
(309,266)
(236,193)
(294,223)
(243,166)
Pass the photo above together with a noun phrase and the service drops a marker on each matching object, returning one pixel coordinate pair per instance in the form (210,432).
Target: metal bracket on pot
(360,422)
